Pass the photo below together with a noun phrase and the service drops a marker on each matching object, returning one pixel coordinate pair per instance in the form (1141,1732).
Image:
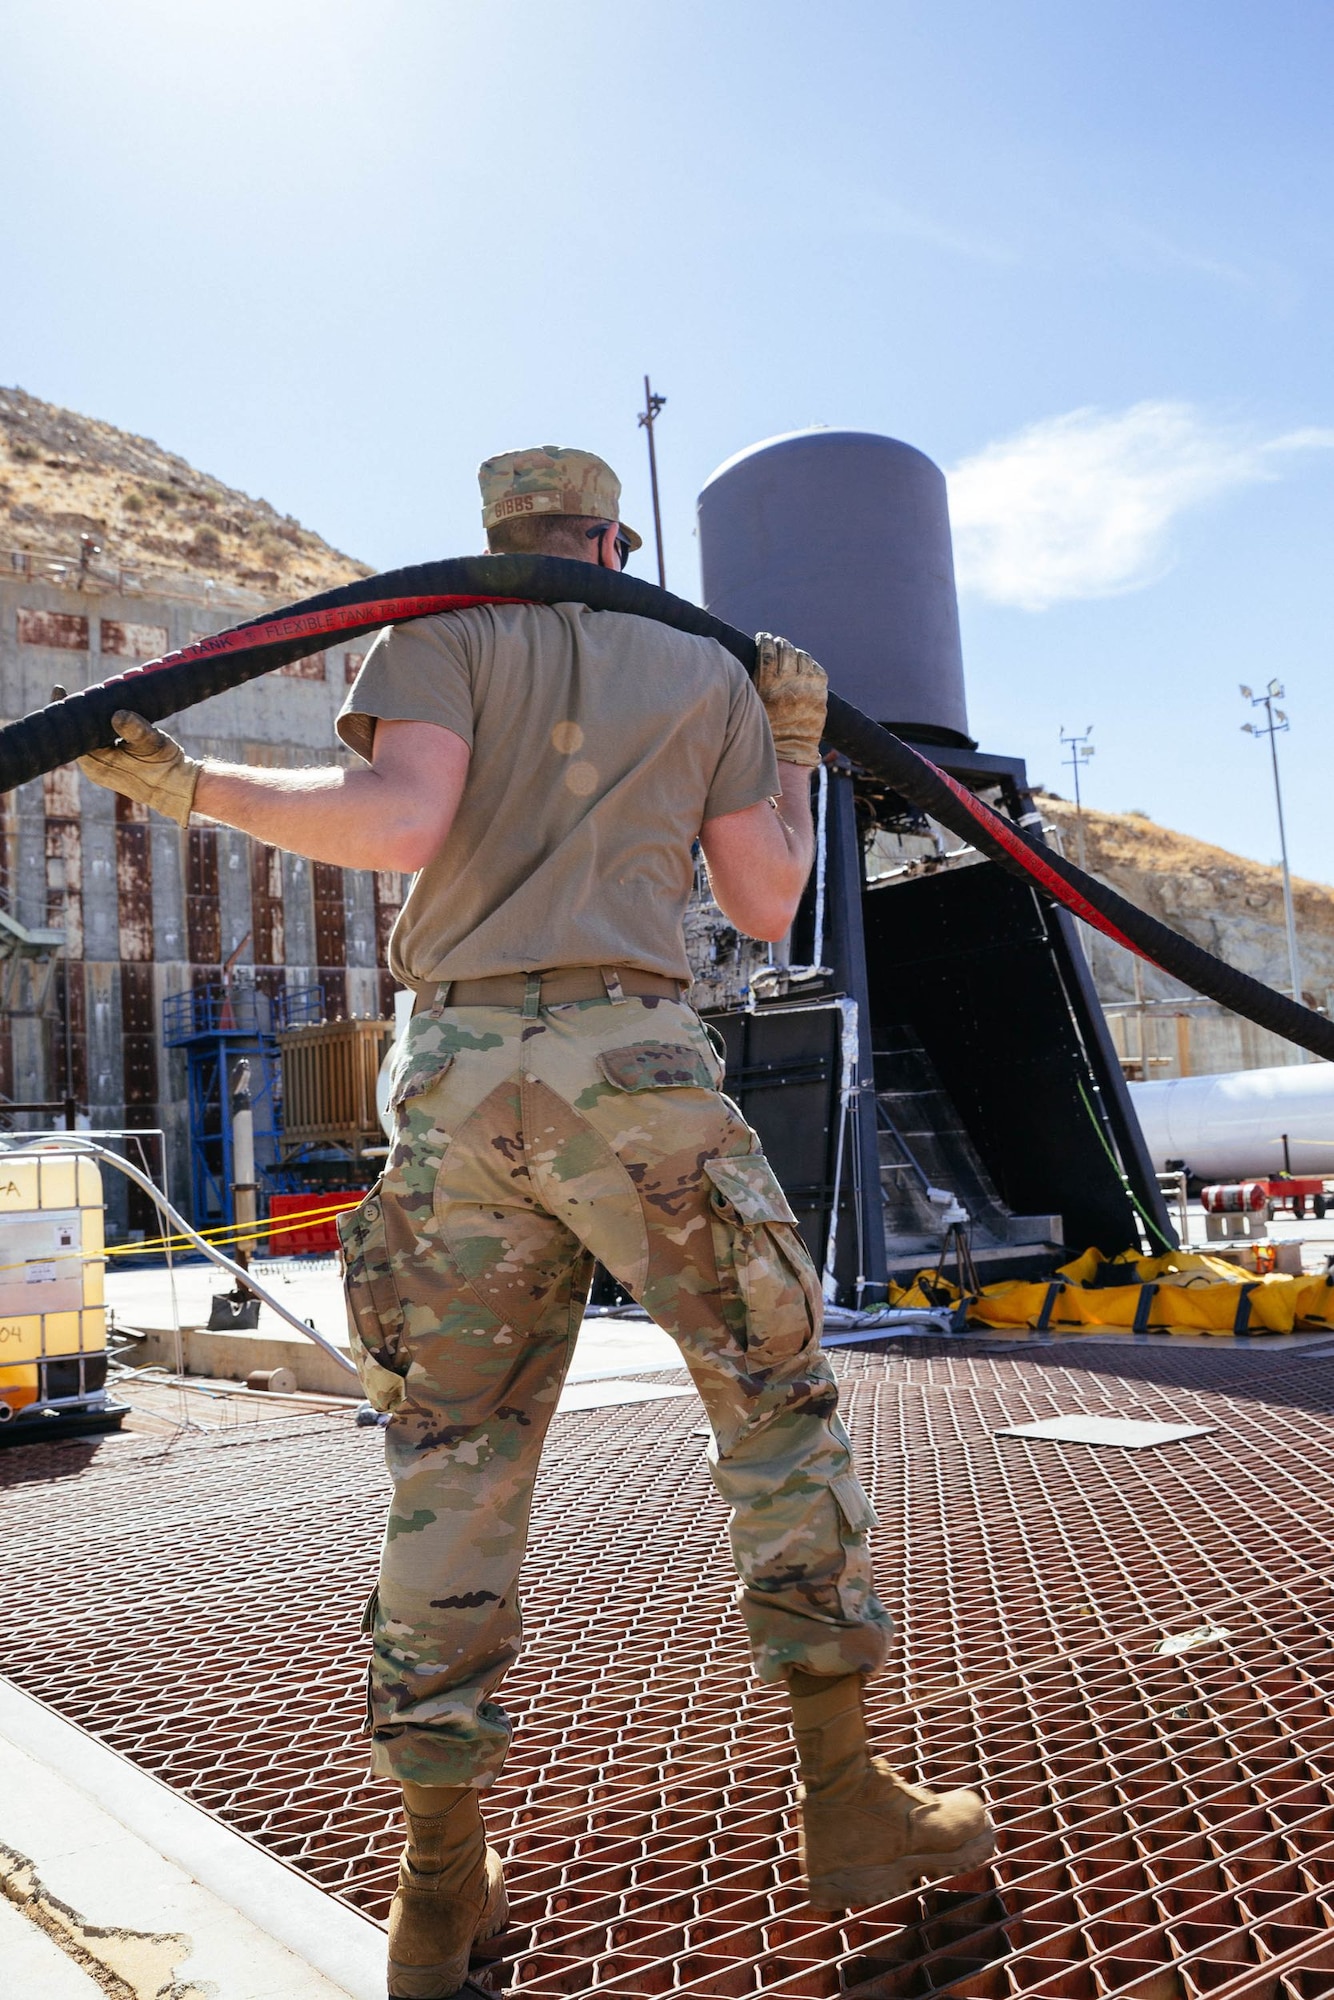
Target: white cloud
(1083,505)
(862,213)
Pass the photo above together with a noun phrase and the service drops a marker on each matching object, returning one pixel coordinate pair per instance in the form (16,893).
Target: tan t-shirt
(600,745)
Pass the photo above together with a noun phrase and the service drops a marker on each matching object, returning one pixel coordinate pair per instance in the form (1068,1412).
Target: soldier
(545,770)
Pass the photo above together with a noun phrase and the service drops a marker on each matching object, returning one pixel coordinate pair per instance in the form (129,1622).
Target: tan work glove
(793,688)
(146,765)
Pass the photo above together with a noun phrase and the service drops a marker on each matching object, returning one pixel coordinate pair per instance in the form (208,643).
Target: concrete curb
(346,1948)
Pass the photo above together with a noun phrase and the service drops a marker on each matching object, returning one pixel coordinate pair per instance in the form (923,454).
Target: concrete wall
(150,910)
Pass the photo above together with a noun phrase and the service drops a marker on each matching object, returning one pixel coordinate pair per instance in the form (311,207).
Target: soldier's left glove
(794,689)
(146,765)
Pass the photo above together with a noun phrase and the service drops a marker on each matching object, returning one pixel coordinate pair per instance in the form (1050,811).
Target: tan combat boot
(866,1834)
(451,1893)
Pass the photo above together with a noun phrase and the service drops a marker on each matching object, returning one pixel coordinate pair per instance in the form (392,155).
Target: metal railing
(126,580)
(237,1007)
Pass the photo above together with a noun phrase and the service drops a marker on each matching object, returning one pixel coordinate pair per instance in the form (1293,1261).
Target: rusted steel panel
(311,668)
(65,631)
(330,937)
(64,857)
(271,980)
(266,904)
(134,891)
(60,792)
(126,641)
(64,902)
(334,984)
(139,1066)
(7,808)
(67,1059)
(136,1000)
(203,917)
(139,1023)
(389,886)
(139,1093)
(388,903)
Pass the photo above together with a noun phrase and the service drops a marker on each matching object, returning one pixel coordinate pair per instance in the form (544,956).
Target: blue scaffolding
(218,1026)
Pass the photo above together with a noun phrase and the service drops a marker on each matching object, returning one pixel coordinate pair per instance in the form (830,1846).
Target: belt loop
(611,979)
(532,996)
(442,993)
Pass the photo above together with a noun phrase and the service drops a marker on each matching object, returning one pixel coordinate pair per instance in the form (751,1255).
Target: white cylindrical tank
(1231,1127)
(384,1082)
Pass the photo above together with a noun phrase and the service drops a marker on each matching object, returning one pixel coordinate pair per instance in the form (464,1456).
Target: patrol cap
(550,479)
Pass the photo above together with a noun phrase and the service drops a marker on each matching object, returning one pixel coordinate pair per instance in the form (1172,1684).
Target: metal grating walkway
(1167,1817)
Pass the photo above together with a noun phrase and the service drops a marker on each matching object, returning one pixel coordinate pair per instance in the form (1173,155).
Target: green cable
(1150,1225)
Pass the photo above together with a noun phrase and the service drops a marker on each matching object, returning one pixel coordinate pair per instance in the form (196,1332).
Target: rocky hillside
(63,476)
(1231,906)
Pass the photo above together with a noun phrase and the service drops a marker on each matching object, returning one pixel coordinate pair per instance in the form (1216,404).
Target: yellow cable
(232,1233)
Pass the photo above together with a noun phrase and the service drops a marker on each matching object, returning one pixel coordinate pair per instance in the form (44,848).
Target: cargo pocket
(658,1066)
(417,1070)
(854,1503)
(374,1310)
(856,1519)
(762,1261)
(370,1614)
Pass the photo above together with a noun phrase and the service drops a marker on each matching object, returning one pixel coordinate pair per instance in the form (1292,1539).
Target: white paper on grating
(1130,1433)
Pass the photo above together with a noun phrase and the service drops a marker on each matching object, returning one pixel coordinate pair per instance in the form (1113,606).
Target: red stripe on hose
(308,624)
(397,610)
(1055,885)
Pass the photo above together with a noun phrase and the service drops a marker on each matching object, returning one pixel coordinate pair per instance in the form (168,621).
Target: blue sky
(336,253)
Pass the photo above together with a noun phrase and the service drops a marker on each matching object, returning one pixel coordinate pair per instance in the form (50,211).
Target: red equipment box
(312,1235)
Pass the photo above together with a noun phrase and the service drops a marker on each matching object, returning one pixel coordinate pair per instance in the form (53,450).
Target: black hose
(82,722)
(915,778)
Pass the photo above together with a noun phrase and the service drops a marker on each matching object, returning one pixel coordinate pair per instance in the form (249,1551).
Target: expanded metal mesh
(1166,1816)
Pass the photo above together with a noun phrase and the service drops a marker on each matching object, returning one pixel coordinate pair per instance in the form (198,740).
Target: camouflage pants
(526,1146)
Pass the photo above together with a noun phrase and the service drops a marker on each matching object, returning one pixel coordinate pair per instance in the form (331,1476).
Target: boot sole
(443,1981)
(855,1888)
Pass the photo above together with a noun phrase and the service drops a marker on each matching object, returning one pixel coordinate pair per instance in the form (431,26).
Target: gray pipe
(178,1222)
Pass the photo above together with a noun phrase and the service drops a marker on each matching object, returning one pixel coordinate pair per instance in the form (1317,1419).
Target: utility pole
(1275,721)
(1080,752)
(648,416)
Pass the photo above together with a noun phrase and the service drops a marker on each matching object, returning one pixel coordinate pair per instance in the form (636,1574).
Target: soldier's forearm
(393,813)
(794,816)
(328,814)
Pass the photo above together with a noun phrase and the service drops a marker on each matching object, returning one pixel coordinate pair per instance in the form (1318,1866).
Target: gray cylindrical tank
(840,541)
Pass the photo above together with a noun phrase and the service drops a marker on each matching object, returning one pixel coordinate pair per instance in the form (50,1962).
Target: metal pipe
(178,1222)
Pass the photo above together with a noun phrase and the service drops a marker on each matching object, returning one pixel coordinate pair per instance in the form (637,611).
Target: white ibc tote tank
(1231,1127)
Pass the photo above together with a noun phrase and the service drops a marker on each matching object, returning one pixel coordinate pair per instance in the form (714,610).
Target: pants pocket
(762,1261)
(854,1503)
(856,1517)
(374,1309)
(419,1065)
(660,1066)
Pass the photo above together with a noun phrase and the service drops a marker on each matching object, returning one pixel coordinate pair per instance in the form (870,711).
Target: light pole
(1274,722)
(1080,752)
(648,417)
